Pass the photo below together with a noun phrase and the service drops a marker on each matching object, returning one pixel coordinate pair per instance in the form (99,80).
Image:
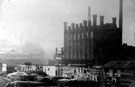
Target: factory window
(78,36)
(71,44)
(67,36)
(67,55)
(67,44)
(79,56)
(82,45)
(74,37)
(83,56)
(75,56)
(82,35)
(87,34)
(86,55)
(78,44)
(91,34)
(71,56)
(70,36)
(67,52)
(74,44)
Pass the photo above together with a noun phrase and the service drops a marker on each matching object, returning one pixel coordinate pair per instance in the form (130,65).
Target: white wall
(4,67)
(50,70)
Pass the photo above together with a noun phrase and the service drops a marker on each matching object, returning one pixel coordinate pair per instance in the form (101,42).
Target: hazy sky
(41,21)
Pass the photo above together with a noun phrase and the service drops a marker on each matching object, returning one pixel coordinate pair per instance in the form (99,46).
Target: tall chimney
(114,21)
(65,33)
(94,20)
(65,25)
(85,23)
(89,16)
(73,26)
(120,14)
(101,21)
(69,28)
(81,25)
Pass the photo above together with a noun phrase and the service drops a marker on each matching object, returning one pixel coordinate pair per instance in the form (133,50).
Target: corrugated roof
(120,64)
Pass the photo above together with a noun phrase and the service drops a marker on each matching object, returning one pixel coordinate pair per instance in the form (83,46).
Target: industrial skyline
(41,22)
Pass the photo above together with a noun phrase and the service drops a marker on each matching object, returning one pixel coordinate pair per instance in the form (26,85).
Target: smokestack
(81,25)
(120,14)
(73,26)
(94,20)
(77,28)
(101,21)
(85,23)
(69,28)
(65,25)
(65,32)
(89,16)
(114,21)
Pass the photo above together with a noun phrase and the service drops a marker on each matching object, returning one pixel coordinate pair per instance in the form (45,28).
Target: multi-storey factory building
(88,43)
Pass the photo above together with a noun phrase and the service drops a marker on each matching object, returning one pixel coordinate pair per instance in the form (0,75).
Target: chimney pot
(73,25)
(81,25)
(85,23)
(114,21)
(94,20)
(65,25)
(89,16)
(101,21)
(121,14)
(69,27)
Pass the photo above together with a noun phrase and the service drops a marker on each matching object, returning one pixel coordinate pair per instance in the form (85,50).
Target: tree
(28,63)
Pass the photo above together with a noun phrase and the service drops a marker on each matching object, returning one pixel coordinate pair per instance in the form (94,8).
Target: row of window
(77,49)
(79,56)
(77,43)
(78,36)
